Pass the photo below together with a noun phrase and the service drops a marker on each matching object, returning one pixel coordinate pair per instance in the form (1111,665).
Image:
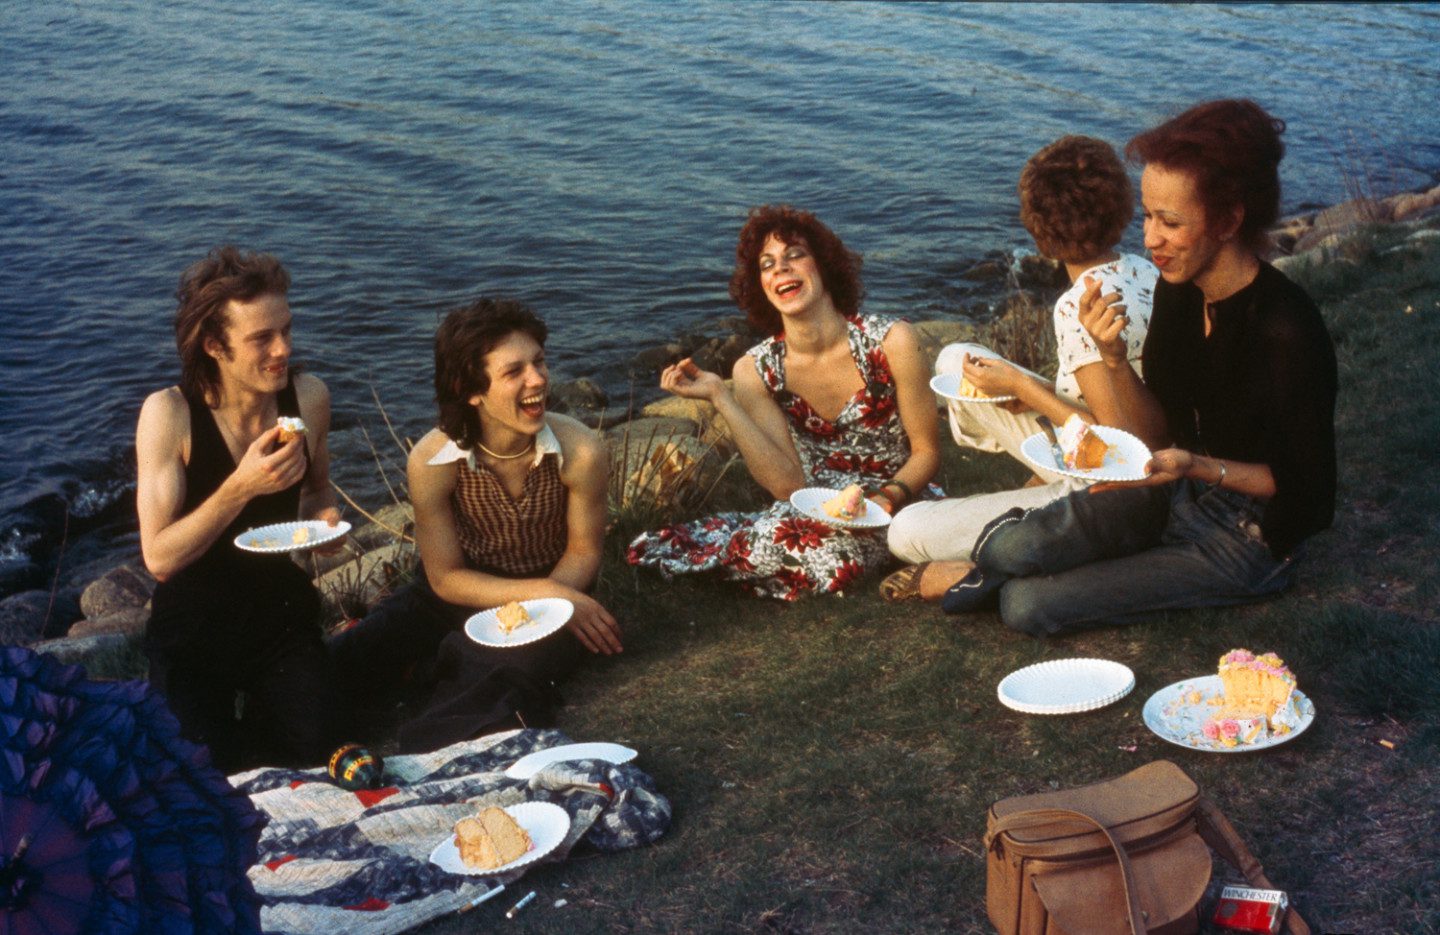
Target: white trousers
(945,530)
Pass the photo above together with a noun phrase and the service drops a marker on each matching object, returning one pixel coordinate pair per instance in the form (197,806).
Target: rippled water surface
(595,160)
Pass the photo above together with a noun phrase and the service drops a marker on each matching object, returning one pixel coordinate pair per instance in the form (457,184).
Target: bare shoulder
(578,442)
(312,393)
(901,336)
(426,448)
(164,415)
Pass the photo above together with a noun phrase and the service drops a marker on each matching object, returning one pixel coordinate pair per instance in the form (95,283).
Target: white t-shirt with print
(1131,276)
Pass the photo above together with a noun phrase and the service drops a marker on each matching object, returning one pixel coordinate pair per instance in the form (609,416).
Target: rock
(648,427)
(574,396)
(987,271)
(1039,272)
(126,587)
(1343,218)
(356,585)
(130,621)
(104,655)
(665,474)
(605,418)
(713,429)
(655,359)
(22,617)
(1414,204)
(390,524)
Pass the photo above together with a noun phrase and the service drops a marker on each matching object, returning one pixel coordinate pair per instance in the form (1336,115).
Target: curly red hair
(839,266)
(1075,199)
(1232,151)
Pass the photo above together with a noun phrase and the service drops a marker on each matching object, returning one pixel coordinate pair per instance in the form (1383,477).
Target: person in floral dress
(833,398)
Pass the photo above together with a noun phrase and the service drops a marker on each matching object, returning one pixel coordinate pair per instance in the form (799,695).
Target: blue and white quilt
(359,862)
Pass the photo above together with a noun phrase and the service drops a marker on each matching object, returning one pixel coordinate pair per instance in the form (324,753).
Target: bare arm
(917,410)
(1168,464)
(168,541)
(317,499)
(756,422)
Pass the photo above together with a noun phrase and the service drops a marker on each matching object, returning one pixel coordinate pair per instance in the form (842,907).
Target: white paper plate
(546,824)
(280,537)
(1173,716)
(1065,686)
(547,614)
(1125,460)
(809,500)
(528,766)
(948,386)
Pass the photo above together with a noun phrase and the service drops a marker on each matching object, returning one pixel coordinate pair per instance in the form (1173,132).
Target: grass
(830,762)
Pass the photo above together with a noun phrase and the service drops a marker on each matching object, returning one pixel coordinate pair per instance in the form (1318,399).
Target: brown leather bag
(1078,861)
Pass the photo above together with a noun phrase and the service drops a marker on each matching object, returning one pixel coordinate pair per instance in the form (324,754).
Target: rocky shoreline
(655,451)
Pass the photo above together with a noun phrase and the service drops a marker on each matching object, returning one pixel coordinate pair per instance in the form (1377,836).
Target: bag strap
(1042,816)
(1217,831)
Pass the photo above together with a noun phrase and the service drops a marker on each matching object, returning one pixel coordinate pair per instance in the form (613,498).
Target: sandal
(903,585)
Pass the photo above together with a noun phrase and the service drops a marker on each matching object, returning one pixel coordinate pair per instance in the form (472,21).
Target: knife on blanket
(1049,429)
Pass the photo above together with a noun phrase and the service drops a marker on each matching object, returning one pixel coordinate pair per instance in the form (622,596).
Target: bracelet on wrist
(904,488)
(1220,481)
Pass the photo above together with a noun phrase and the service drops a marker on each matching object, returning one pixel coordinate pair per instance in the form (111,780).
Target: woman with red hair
(1237,401)
(833,398)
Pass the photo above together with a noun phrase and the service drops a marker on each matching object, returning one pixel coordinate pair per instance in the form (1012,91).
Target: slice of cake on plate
(848,504)
(490,839)
(510,616)
(1084,450)
(1254,699)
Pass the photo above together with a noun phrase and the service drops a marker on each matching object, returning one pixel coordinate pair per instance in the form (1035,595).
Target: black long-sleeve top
(1259,389)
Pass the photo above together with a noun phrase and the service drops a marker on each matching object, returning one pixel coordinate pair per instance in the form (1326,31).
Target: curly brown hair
(1075,199)
(1232,151)
(839,266)
(463,339)
(207,287)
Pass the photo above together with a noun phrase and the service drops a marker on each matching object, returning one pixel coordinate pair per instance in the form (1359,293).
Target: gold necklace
(499,457)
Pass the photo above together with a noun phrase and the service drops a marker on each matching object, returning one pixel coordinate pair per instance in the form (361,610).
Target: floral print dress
(781,552)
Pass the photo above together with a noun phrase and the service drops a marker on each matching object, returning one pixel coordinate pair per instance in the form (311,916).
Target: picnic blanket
(359,862)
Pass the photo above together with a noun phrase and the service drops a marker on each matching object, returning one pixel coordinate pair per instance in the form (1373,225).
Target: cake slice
(1254,699)
(848,504)
(490,839)
(511,616)
(969,390)
(1083,449)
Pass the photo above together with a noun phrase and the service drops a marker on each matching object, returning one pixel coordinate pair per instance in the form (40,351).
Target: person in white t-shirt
(1076,201)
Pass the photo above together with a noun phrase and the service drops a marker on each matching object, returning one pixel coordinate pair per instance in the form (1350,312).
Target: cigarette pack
(1243,909)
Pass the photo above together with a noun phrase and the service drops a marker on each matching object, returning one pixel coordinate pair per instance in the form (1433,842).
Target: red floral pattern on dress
(779,553)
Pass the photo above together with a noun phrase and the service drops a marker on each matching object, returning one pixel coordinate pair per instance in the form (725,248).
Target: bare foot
(940,577)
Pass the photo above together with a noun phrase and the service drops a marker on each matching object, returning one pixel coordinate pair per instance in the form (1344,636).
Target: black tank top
(228,598)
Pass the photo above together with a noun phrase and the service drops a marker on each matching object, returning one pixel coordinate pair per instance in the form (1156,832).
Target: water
(594,160)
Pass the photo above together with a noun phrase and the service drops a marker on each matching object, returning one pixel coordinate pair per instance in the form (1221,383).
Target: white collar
(545,443)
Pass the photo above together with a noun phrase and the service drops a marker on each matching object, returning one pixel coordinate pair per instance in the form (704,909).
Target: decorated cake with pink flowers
(1255,699)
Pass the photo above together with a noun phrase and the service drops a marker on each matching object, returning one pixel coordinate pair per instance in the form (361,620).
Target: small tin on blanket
(1243,909)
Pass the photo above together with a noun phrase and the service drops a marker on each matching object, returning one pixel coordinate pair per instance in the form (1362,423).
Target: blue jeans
(1116,556)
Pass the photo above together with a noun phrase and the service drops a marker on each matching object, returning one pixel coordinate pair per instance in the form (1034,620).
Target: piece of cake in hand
(291,427)
(848,504)
(490,839)
(969,390)
(1254,700)
(510,616)
(1084,450)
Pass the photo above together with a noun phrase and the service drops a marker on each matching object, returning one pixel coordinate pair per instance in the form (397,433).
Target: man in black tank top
(210,466)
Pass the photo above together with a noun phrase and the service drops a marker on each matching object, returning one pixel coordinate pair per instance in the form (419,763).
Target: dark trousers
(413,643)
(289,715)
